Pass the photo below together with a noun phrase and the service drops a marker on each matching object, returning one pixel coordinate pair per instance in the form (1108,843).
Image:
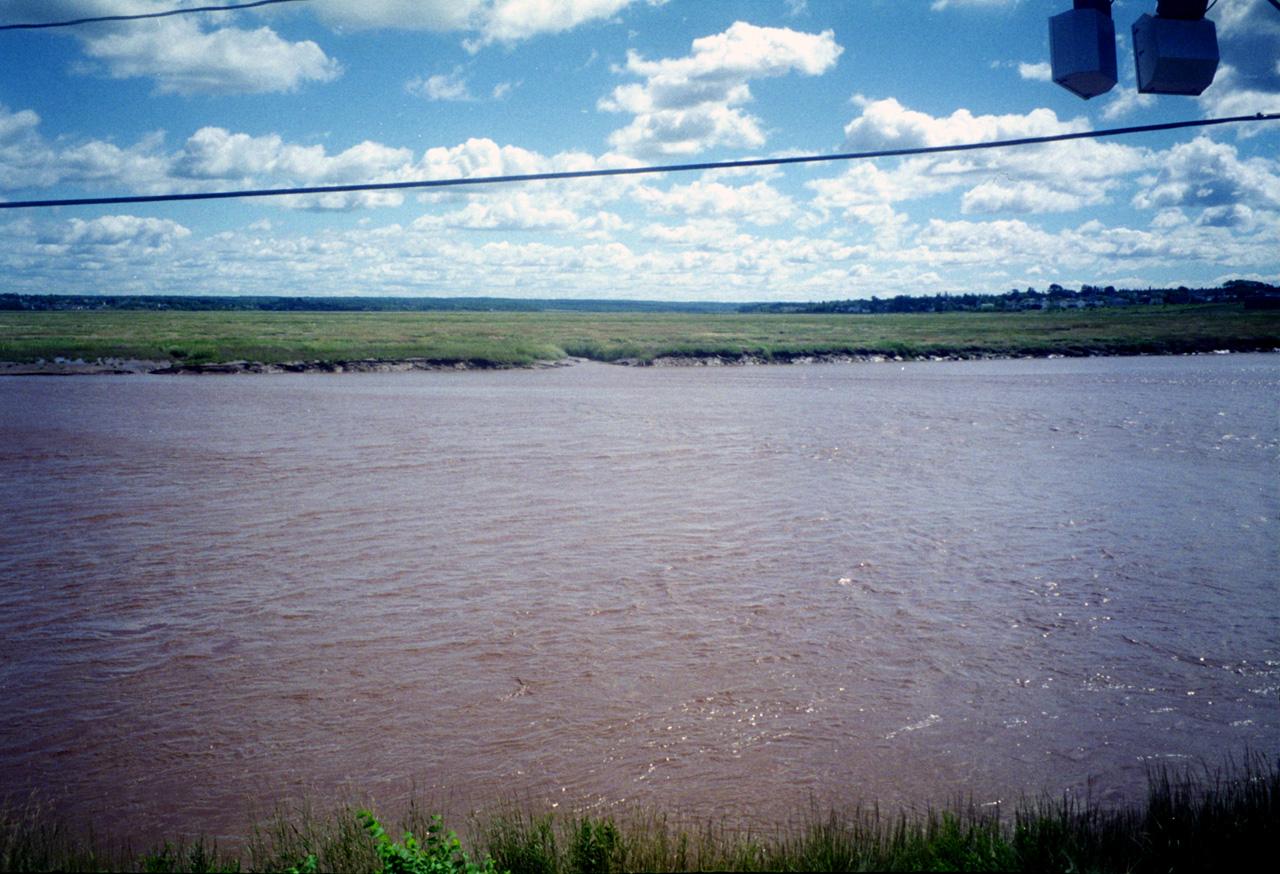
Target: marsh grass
(1192,820)
(33,837)
(506,338)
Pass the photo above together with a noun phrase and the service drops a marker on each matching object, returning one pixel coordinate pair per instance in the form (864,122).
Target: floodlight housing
(1175,55)
(1082,48)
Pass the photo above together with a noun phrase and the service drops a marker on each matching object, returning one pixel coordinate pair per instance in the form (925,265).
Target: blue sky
(346,91)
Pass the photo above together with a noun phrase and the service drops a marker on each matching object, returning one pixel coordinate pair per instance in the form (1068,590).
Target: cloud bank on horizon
(348,91)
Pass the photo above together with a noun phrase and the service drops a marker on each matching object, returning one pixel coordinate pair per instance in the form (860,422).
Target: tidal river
(719,591)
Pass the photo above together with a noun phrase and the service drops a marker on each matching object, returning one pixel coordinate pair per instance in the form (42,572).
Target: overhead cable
(186,11)
(635,171)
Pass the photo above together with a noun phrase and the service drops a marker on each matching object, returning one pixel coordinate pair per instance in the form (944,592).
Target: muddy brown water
(722,592)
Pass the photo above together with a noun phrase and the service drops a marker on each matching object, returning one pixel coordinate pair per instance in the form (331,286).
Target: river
(724,592)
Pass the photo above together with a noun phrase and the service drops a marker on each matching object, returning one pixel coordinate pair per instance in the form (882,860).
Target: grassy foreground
(1212,821)
(506,339)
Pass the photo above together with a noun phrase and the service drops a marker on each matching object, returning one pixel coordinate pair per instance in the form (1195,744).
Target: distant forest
(1254,295)
(46,302)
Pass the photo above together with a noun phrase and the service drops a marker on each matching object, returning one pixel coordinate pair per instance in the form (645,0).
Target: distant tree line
(48,302)
(1253,294)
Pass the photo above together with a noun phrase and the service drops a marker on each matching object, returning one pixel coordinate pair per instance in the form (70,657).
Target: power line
(186,11)
(634,171)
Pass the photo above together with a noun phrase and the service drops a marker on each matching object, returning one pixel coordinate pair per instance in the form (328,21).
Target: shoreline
(127,366)
(133,366)
(1192,819)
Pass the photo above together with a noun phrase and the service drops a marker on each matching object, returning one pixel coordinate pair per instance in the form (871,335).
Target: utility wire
(634,171)
(186,11)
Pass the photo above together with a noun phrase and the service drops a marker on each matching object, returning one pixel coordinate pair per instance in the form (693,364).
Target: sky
(331,92)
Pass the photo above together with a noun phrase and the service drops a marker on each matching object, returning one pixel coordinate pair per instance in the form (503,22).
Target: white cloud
(185,59)
(1056,177)
(148,234)
(214,153)
(22,151)
(1248,79)
(210,159)
(16,126)
(1211,175)
(939,5)
(510,20)
(1126,100)
(949,243)
(479,157)
(1233,93)
(440,87)
(522,211)
(1041,72)
(887,124)
(214,158)
(864,183)
(434,15)
(488,20)
(690,104)
(759,202)
(1025,197)
(29,161)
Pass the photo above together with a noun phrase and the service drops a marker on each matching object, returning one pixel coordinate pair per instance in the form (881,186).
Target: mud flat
(110,366)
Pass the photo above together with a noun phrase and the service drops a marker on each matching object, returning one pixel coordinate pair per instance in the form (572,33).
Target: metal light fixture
(1175,51)
(1082,48)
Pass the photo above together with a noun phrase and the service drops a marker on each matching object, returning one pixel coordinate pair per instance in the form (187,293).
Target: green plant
(309,865)
(594,846)
(441,853)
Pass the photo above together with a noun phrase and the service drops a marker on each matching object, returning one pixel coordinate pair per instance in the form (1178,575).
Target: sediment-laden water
(720,591)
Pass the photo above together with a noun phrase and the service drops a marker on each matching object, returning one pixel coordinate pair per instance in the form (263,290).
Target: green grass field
(515,339)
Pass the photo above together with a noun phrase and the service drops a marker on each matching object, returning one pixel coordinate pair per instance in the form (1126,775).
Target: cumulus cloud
(690,104)
(1056,177)
(1207,174)
(759,202)
(216,153)
(488,21)
(215,158)
(1126,100)
(523,211)
(509,20)
(184,58)
(434,15)
(21,150)
(1041,72)
(939,5)
(28,160)
(887,124)
(440,87)
(148,234)
(1248,78)
(1026,197)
